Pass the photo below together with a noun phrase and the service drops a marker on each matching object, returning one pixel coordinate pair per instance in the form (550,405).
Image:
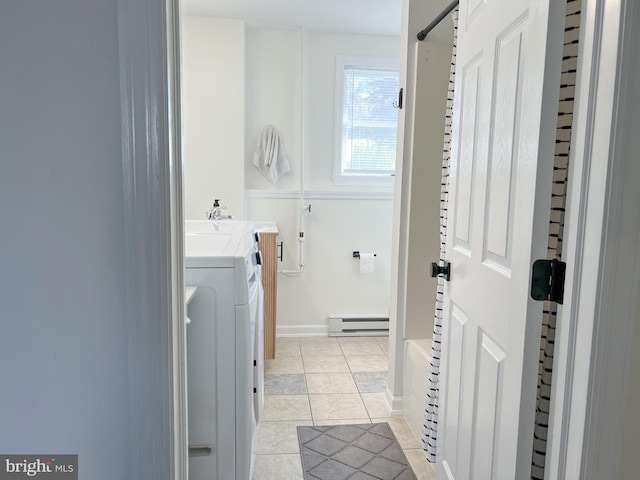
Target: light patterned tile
(375,405)
(331,383)
(278,467)
(368,363)
(423,469)
(317,340)
(337,406)
(360,346)
(285,384)
(286,407)
(401,430)
(371,382)
(321,364)
(319,346)
(384,344)
(349,421)
(287,347)
(281,365)
(355,339)
(279,437)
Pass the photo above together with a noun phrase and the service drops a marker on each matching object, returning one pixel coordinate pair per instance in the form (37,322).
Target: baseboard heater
(358,325)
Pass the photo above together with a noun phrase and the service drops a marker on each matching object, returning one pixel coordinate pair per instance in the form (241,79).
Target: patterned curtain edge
(430,427)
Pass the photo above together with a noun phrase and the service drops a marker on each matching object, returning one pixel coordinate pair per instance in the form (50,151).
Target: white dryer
(225,365)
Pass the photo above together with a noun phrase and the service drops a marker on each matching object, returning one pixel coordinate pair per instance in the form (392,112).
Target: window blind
(369,121)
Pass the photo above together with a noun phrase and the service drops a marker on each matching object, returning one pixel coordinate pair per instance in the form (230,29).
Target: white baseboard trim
(393,403)
(320,330)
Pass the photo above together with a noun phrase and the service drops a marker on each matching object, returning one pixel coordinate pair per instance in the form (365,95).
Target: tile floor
(325,381)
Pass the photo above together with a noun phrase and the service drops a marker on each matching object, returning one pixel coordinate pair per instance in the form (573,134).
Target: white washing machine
(225,359)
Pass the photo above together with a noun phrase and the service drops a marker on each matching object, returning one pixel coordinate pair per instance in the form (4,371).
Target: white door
(505,106)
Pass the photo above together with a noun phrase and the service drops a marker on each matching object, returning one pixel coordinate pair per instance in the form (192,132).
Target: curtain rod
(423,34)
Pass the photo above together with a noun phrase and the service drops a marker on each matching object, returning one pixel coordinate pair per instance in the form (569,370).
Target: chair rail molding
(318,194)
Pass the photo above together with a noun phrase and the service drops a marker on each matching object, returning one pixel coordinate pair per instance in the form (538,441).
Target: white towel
(270,156)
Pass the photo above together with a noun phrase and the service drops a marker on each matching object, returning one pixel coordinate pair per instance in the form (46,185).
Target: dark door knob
(441,270)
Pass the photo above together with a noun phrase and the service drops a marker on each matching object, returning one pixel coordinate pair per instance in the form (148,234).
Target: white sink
(205,245)
(208,226)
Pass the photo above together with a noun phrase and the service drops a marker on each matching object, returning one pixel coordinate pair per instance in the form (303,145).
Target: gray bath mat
(367,451)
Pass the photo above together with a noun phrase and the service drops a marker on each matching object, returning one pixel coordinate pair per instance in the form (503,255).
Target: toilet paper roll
(367,262)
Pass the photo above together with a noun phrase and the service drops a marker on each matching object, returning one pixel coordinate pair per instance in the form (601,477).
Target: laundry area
(225,347)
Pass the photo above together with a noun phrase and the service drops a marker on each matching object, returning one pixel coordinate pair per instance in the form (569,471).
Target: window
(366,120)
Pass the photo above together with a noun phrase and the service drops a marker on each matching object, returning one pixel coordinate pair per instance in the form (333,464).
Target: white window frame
(339,178)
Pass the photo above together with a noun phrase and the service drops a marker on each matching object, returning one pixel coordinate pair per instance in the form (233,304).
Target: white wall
(213,59)
(415,16)
(273,98)
(63,347)
(341,220)
(331,283)
(320,78)
(258,72)
(433,61)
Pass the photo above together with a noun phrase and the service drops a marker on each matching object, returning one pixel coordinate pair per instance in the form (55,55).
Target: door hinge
(547,280)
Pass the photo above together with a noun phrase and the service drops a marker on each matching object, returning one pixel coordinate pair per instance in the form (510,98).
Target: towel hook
(398,103)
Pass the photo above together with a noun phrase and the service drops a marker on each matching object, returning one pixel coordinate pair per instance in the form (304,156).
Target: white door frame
(591,371)
(149,47)
(179,338)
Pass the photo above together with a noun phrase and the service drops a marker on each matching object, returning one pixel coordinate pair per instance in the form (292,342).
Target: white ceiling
(379,17)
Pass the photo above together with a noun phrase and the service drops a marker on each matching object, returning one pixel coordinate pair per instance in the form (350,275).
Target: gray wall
(63,364)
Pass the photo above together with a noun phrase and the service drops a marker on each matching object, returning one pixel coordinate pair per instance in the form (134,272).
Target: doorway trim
(148,38)
(179,337)
(592,351)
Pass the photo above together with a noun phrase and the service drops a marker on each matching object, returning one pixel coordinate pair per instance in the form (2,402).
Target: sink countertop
(266,227)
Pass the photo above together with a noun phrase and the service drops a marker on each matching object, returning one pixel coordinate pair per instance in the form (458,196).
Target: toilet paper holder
(356,254)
